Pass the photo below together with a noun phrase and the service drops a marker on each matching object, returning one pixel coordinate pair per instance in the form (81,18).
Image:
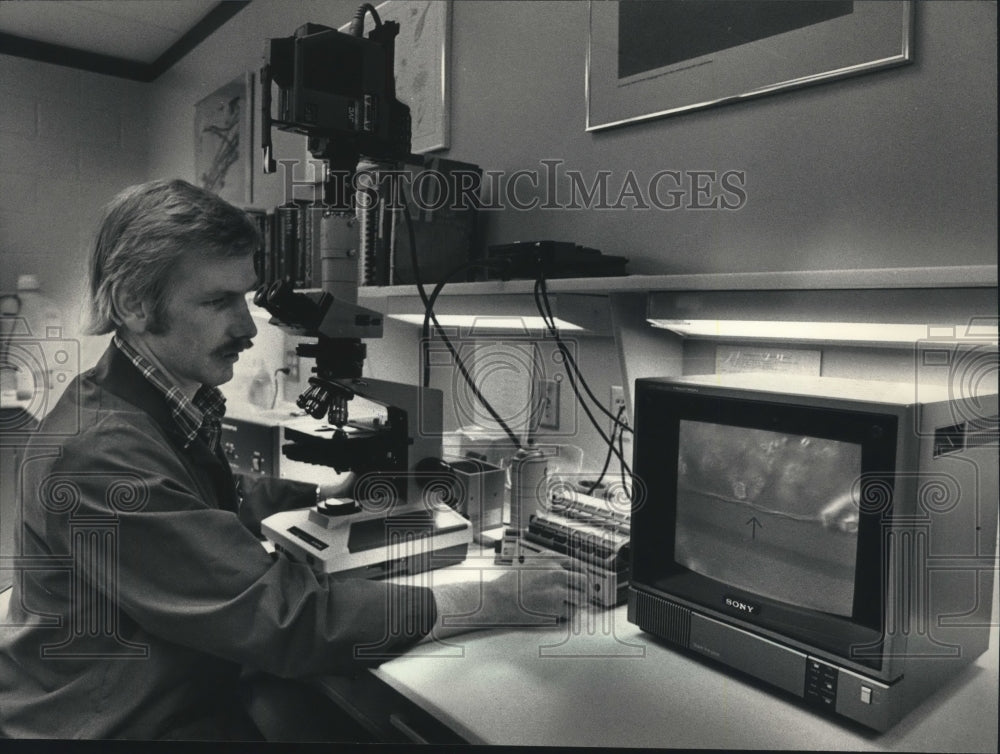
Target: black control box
(528,260)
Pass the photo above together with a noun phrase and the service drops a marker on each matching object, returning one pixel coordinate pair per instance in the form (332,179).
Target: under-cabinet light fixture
(489,322)
(848,332)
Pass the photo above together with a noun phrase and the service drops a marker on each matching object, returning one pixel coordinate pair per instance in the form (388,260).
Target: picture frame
(223,141)
(423,50)
(682,56)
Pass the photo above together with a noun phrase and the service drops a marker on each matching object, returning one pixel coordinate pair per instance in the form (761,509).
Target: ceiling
(136,39)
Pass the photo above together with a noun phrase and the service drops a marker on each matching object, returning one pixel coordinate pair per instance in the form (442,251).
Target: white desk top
(601,682)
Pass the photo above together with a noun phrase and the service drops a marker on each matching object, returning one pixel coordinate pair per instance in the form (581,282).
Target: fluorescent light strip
(486,322)
(850,332)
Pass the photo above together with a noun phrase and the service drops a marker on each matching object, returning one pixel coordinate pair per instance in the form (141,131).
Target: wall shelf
(977,276)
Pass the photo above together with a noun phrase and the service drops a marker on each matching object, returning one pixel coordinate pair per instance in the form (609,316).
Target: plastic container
(261,390)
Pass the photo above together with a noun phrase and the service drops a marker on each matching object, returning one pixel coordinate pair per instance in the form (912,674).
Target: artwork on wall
(223,131)
(422,51)
(653,58)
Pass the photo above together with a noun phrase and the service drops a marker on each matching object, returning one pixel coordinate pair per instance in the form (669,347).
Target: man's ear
(134,313)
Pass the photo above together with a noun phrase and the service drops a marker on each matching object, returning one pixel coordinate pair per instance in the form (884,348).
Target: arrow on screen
(755,523)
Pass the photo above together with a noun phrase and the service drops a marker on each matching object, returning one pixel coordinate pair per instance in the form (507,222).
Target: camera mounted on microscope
(339,90)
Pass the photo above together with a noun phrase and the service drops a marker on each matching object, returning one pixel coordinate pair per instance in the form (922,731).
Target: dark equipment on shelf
(553,259)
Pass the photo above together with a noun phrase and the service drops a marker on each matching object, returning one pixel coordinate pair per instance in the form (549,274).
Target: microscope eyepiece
(292,308)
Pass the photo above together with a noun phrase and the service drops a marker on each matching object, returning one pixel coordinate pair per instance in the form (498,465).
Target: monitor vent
(983,432)
(980,432)
(663,618)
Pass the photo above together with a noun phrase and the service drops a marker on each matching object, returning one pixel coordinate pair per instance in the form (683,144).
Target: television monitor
(835,538)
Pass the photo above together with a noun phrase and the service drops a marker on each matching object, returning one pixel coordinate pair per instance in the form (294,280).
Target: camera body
(338,90)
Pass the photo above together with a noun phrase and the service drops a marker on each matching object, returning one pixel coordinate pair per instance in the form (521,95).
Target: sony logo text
(745,607)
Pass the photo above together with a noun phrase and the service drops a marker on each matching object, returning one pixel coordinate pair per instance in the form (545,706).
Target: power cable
(546,312)
(567,355)
(430,317)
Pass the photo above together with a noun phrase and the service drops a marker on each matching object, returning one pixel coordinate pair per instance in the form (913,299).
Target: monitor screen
(769,512)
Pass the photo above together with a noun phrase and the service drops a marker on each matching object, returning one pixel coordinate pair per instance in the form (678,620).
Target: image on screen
(771,513)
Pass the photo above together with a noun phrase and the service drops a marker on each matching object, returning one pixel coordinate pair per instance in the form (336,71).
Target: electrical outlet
(616,404)
(292,364)
(550,405)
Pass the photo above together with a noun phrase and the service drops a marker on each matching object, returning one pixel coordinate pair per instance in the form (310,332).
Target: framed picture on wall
(223,132)
(422,52)
(653,58)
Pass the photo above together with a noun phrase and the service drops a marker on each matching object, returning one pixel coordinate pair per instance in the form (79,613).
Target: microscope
(338,90)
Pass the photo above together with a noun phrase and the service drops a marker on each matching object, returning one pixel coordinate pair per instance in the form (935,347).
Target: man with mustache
(143,598)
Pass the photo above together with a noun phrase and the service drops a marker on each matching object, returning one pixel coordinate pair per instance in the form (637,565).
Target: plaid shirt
(200,416)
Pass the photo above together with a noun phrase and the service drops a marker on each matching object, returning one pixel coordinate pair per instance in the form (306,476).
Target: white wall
(895,168)
(70,140)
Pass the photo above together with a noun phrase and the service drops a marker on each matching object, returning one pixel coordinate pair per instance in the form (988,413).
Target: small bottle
(260,387)
(528,486)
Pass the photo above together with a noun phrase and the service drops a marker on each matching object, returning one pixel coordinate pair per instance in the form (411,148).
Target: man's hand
(518,598)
